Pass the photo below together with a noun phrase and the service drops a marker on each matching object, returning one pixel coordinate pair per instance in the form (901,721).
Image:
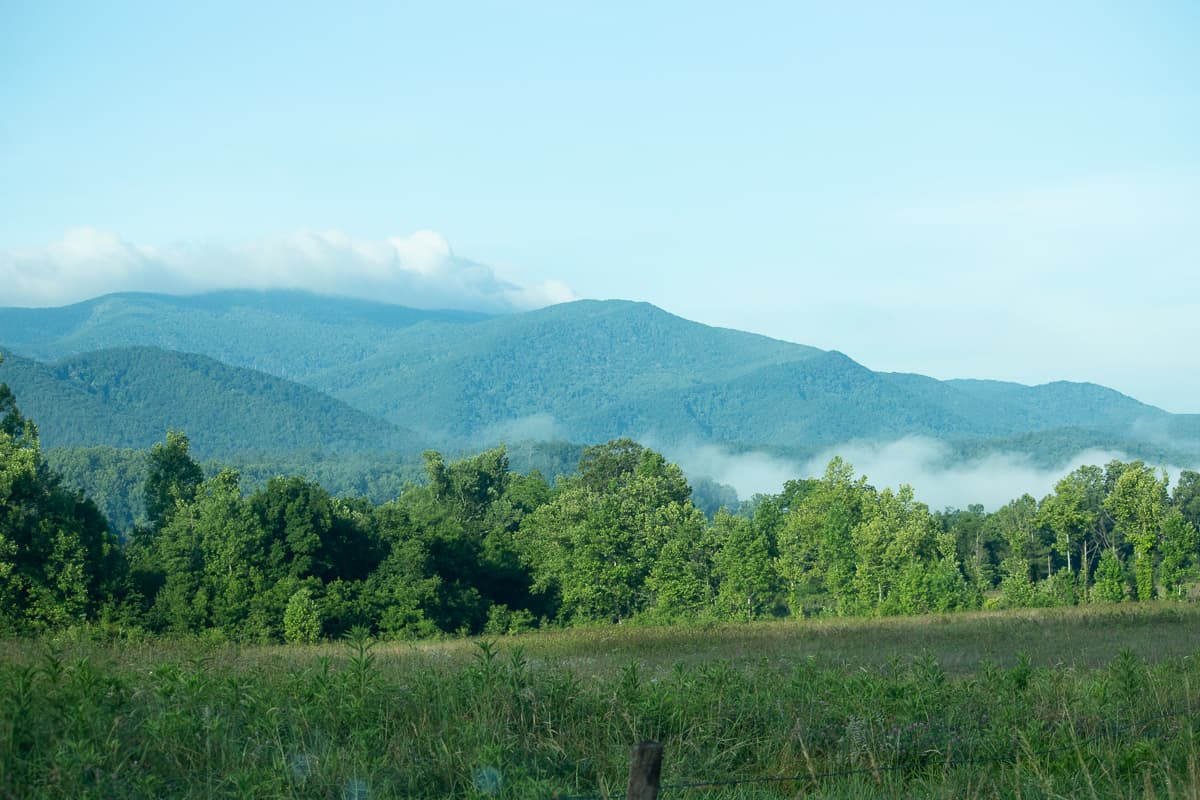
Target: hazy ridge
(586,371)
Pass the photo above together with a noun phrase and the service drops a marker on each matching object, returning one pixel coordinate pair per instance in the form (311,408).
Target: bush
(301,620)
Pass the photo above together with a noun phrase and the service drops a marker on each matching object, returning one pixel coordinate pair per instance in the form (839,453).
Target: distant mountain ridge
(584,371)
(128,397)
(285,333)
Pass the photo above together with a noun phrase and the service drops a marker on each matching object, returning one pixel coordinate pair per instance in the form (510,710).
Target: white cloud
(748,473)
(419,270)
(938,480)
(535,427)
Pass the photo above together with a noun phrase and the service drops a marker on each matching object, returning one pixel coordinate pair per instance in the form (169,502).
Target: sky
(1004,190)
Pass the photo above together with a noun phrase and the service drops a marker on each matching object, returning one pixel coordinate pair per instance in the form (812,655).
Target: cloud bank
(939,481)
(419,270)
(937,478)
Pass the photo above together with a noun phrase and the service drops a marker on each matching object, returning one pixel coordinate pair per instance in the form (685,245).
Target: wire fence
(1112,731)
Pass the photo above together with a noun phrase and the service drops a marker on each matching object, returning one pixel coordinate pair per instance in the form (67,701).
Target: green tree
(743,564)
(1180,541)
(1090,485)
(59,563)
(1186,496)
(1066,515)
(1019,523)
(976,545)
(681,583)
(1110,582)
(405,594)
(467,517)
(310,534)
(301,618)
(904,563)
(816,549)
(173,478)
(234,552)
(213,553)
(593,546)
(1138,502)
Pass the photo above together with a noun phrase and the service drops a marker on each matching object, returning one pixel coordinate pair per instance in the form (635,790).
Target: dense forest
(126,397)
(286,371)
(476,546)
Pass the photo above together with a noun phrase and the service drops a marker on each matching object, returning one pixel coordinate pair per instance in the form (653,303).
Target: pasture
(1081,702)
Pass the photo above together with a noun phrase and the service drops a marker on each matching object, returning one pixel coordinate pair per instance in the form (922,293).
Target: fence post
(645,766)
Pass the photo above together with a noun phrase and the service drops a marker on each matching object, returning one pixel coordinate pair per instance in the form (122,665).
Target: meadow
(1090,702)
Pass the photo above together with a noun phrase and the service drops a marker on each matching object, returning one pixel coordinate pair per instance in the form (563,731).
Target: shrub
(301,620)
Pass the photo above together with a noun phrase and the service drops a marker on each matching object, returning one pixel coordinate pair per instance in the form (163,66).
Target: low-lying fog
(926,464)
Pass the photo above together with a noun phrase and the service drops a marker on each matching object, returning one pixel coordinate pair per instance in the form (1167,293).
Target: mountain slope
(129,397)
(586,371)
(831,398)
(575,363)
(591,371)
(289,334)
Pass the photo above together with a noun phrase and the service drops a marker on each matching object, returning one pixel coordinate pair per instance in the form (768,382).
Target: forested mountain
(587,371)
(479,548)
(285,333)
(583,372)
(128,397)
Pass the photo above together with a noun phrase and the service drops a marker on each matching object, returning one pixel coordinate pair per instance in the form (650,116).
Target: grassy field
(1089,702)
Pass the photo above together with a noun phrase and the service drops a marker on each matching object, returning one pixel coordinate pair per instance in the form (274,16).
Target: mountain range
(286,371)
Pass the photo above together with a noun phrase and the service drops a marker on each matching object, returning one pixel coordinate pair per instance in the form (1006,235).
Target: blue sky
(1007,190)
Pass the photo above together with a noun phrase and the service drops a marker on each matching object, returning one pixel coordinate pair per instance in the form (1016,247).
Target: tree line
(478,547)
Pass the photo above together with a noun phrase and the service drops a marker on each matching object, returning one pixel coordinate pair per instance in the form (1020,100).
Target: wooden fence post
(645,766)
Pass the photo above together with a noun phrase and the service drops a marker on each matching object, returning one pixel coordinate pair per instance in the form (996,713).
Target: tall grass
(972,706)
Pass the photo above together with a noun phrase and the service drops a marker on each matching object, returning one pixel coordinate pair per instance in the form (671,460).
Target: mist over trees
(476,546)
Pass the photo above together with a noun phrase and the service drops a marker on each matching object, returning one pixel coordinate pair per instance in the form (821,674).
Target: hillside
(285,333)
(591,371)
(128,398)
(585,371)
(568,369)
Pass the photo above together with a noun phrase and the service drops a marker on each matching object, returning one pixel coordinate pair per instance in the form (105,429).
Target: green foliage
(1018,523)
(744,567)
(479,547)
(172,479)
(1186,496)
(59,564)
(127,397)
(816,542)
(902,564)
(594,546)
(977,544)
(1111,583)
(115,480)
(1138,503)
(301,619)
(681,583)
(1179,551)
